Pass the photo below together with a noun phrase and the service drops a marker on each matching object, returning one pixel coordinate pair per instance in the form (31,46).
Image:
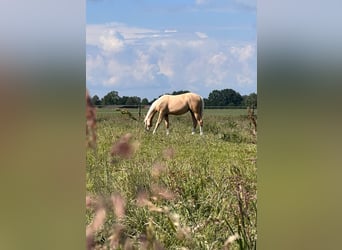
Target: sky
(147,48)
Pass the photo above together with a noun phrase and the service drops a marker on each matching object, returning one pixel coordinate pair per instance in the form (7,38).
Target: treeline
(231,98)
(222,98)
(113,98)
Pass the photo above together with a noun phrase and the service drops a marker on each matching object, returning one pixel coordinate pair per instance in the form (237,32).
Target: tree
(123,100)
(224,97)
(231,97)
(96,100)
(180,92)
(144,101)
(112,98)
(133,100)
(250,100)
(216,98)
(206,102)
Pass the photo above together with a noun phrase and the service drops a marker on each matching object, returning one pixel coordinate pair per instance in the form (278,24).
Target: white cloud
(94,62)
(111,41)
(170,31)
(115,35)
(115,73)
(243,53)
(94,65)
(166,67)
(201,35)
(195,44)
(218,59)
(143,70)
(111,82)
(243,79)
(219,69)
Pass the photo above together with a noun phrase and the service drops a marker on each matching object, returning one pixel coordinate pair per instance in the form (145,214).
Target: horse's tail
(202,107)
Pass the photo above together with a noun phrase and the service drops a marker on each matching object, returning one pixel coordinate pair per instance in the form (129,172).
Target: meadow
(180,191)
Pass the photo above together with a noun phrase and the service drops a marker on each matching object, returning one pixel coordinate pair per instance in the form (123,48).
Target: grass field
(180,191)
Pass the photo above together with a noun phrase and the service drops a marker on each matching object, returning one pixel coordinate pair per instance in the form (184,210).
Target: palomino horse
(176,105)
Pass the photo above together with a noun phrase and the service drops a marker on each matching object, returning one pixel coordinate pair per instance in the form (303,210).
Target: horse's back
(180,104)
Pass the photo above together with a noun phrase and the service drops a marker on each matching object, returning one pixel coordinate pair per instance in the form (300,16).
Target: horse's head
(149,116)
(147,123)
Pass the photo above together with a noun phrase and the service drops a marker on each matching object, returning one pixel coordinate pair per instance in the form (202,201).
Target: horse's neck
(151,112)
(154,111)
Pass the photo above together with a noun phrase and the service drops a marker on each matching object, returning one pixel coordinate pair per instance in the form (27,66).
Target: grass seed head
(116,235)
(162,192)
(229,241)
(158,169)
(169,153)
(90,122)
(118,205)
(123,148)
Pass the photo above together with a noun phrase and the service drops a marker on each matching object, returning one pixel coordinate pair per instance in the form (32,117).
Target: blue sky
(147,48)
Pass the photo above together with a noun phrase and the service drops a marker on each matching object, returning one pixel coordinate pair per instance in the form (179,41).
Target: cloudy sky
(147,48)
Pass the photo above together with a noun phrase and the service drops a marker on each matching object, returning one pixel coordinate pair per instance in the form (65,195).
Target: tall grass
(180,191)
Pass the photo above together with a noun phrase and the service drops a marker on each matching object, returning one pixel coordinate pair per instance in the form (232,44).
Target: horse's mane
(153,105)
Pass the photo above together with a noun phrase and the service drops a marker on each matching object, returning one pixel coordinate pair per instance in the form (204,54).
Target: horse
(176,105)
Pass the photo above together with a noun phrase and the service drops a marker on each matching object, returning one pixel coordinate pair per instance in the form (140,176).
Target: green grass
(211,180)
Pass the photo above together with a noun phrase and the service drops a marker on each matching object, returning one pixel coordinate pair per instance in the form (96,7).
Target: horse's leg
(167,124)
(194,122)
(199,120)
(160,118)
